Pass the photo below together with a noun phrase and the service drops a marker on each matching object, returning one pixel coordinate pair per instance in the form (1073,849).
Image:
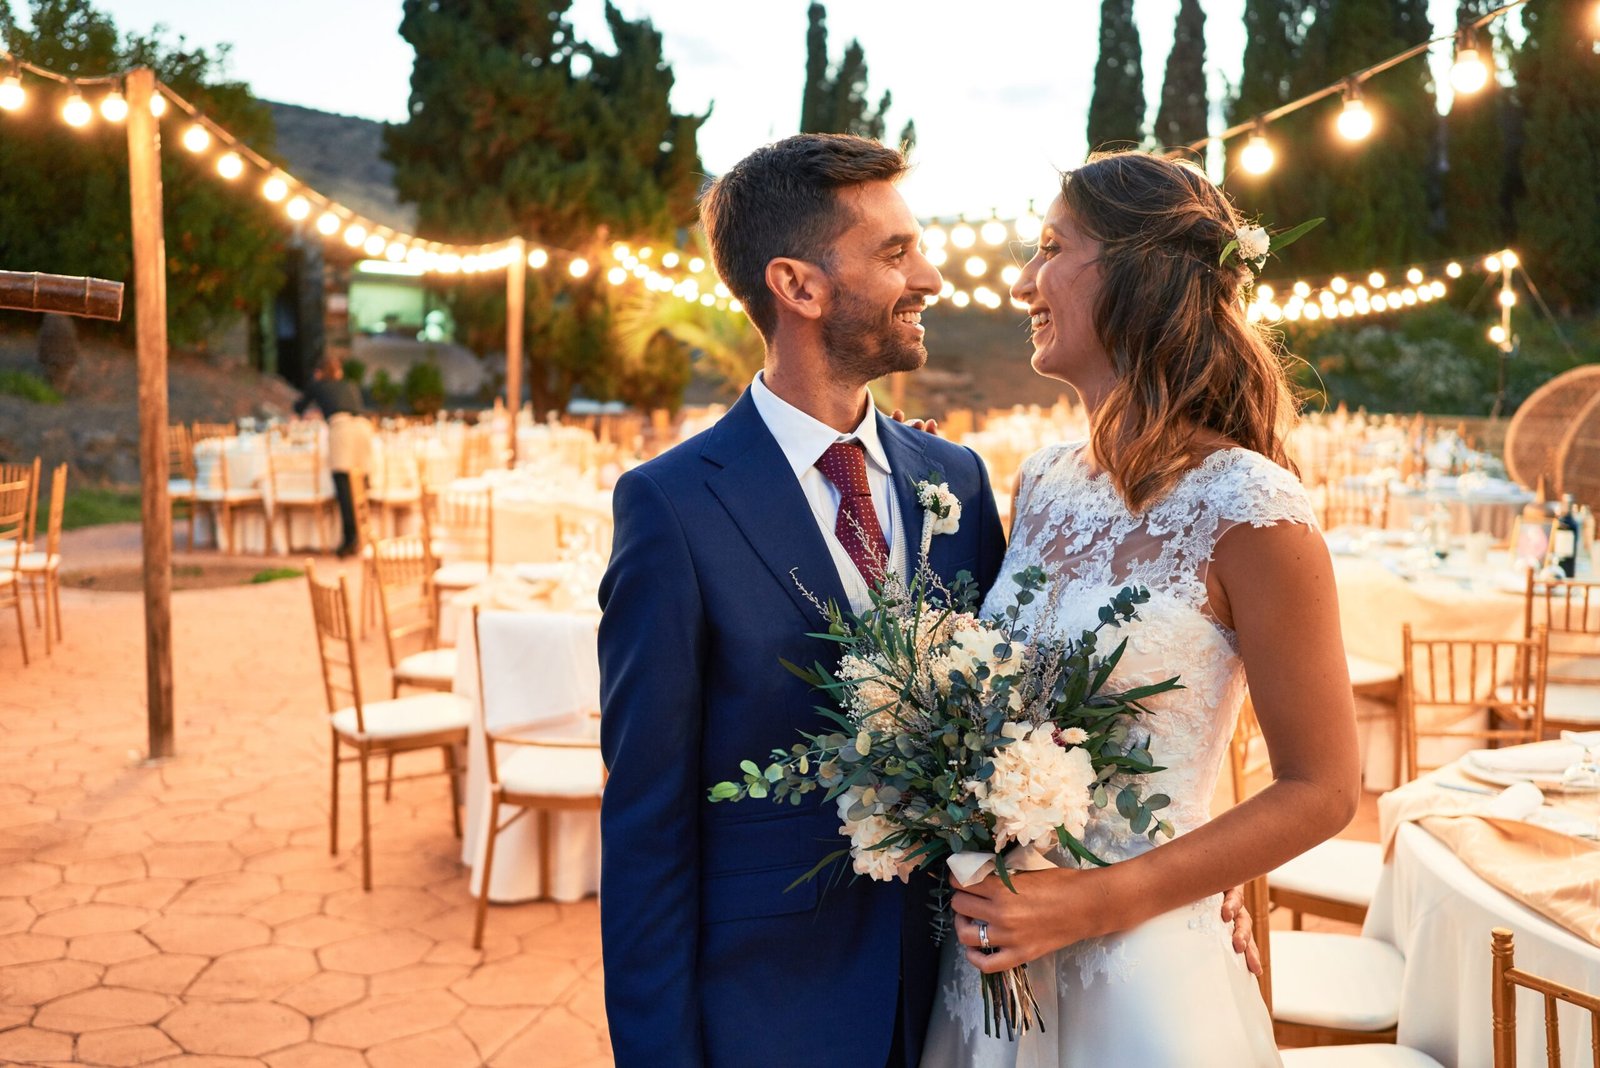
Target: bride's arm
(1275,586)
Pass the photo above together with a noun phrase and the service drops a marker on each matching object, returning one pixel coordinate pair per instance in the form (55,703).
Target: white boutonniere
(941,510)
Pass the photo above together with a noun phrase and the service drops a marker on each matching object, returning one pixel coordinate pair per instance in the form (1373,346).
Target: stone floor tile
(162,973)
(188,1060)
(15,915)
(376,1020)
(111,948)
(61,896)
(391,906)
(491,1028)
(25,948)
(20,815)
(236,1028)
(284,906)
(35,984)
(218,827)
(325,992)
(587,1001)
(191,860)
(125,1046)
(314,932)
(418,977)
(29,1045)
(27,878)
(144,893)
(521,980)
(290,859)
(557,1039)
(210,936)
(14,1015)
(260,973)
(373,953)
(326,880)
(317,1055)
(444,1048)
(228,895)
(107,870)
(96,918)
(102,1008)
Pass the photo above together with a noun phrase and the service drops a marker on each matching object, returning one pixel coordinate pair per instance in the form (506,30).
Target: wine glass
(1582,779)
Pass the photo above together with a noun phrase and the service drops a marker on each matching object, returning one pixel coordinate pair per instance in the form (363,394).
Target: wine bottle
(1565,549)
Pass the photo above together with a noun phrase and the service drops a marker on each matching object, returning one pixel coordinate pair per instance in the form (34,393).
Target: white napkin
(1515,802)
(1539,758)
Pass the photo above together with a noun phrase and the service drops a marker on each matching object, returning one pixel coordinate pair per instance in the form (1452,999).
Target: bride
(1183,487)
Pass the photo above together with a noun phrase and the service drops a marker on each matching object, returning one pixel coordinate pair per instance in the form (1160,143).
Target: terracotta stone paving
(189,913)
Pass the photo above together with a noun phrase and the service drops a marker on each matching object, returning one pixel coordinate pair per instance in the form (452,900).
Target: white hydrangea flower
(1036,787)
(882,865)
(1254,242)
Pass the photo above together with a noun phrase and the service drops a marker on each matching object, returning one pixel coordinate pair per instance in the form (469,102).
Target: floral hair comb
(1252,244)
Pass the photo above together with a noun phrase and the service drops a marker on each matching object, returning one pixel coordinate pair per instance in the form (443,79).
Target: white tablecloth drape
(1439,914)
(554,682)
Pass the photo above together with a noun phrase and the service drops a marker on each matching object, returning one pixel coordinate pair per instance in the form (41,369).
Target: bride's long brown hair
(1189,364)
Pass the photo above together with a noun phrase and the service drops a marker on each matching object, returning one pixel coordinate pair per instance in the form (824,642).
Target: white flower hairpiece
(1252,244)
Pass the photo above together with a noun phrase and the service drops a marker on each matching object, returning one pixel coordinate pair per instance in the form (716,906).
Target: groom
(709,959)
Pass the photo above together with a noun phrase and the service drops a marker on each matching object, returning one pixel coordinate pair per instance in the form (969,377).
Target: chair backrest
(336,645)
(180,452)
(13,514)
(29,473)
(1243,760)
(1507,977)
(361,508)
(583,529)
(295,467)
(58,504)
(1258,902)
(1570,610)
(1355,503)
(1505,677)
(405,593)
(203,431)
(462,520)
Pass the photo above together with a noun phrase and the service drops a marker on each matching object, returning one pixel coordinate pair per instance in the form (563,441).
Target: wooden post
(150,296)
(516,295)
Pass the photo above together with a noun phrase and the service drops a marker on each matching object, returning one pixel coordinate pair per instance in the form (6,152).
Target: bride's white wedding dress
(1171,993)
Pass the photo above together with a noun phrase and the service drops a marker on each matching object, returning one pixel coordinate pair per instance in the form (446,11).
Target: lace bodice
(1072,522)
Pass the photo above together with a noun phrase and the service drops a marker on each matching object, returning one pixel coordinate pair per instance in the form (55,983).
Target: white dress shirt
(803,441)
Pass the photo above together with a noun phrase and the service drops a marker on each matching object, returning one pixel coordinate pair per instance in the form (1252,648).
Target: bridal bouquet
(967,740)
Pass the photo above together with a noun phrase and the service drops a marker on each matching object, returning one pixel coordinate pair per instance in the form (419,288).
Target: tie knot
(845,465)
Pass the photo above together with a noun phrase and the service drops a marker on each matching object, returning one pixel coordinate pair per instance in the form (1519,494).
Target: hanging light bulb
(538,258)
(1468,74)
(375,246)
(1453,269)
(1355,121)
(114,107)
(1509,259)
(935,237)
(327,223)
(275,189)
(975,266)
(696,265)
(76,111)
(1339,285)
(158,104)
(1302,289)
(580,266)
(1508,298)
(1010,274)
(12,95)
(1030,226)
(993,232)
(961,299)
(1258,156)
(616,276)
(1492,264)
(1265,293)
(355,235)
(937,256)
(962,235)
(298,208)
(1414,276)
(1497,334)
(196,138)
(229,165)
(1375,279)
(395,252)
(669,259)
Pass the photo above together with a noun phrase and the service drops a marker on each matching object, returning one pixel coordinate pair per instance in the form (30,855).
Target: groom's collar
(804,439)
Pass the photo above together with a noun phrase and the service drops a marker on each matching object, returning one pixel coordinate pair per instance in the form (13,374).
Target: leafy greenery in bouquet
(953,734)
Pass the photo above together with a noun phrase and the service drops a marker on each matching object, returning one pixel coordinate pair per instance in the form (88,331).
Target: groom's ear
(797,286)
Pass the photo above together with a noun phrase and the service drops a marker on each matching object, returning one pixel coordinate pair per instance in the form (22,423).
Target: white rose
(1253,242)
(1072,736)
(942,506)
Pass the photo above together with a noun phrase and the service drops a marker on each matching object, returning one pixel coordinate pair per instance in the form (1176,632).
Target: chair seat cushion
(40,562)
(406,717)
(461,574)
(434,665)
(1569,702)
(180,487)
(1338,869)
(396,495)
(6,578)
(553,772)
(1364,672)
(1335,980)
(303,499)
(1361,1055)
(233,496)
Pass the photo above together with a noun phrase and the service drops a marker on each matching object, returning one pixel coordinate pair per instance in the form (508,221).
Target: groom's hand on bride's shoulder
(1234,912)
(929,426)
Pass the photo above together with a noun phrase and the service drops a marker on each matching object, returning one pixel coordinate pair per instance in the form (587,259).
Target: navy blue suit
(708,961)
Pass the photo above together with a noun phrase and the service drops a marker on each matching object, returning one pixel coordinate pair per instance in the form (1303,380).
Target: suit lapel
(910,465)
(761,495)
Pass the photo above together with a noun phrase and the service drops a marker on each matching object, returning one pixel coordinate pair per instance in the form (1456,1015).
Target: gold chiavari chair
(181,479)
(1570,610)
(29,473)
(296,472)
(405,598)
(458,528)
(42,567)
(545,774)
(1355,503)
(1337,878)
(422,721)
(1471,677)
(1507,978)
(225,500)
(13,514)
(199,432)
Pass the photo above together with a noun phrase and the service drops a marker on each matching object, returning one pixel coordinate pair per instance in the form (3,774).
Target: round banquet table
(1439,913)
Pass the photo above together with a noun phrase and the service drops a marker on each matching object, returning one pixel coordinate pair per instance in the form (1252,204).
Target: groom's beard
(863,344)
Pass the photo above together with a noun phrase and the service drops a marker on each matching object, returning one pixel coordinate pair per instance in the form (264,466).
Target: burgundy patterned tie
(845,465)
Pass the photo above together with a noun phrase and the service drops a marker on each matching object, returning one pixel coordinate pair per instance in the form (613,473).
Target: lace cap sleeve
(1034,467)
(1257,491)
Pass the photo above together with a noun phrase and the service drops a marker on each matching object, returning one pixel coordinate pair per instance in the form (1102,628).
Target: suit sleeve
(652,647)
(991,535)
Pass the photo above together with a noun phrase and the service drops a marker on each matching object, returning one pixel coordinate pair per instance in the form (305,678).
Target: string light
(1453,269)
(1258,156)
(1497,334)
(1491,264)
(1376,279)
(298,208)
(696,265)
(1030,226)
(1508,298)
(1414,276)
(229,165)
(669,259)
(114,107)
(937,256)
(1468,74)
(538,258)
(993,232)
(395,252)
(76,112)
(963,236)
(327,224)
(580,266)
(355,235)
(1010,273)
(158,104)
(275,189)
(12,95)
(196,138)
(1355,121)
(375,246)
(975,266)
(935,237)
(1509,259)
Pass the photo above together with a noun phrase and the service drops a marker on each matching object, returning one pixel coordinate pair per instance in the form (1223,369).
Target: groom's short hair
(781,201)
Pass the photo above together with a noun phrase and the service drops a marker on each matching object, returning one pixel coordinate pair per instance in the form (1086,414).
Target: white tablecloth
(1439,914)
(301,470)
(576,835)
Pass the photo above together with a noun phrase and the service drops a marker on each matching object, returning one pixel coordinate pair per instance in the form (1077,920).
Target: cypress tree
(1558,89)
(1116,108)
(1184,108)
(1474,180)
(835,100)
(1272,55)
(506,137)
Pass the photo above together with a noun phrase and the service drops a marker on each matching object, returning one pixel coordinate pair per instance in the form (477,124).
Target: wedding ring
(983,934)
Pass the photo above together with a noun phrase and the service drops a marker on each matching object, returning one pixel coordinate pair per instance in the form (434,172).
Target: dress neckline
(1212,462)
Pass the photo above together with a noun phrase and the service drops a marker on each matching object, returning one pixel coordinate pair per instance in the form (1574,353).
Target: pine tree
(1272,55)
(1116,108)
(835,100)
(64,193)
(1474,184)
(1558,214)
(1184,111)
(505,137)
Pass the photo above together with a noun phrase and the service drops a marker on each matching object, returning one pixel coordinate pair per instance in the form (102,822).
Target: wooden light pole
(150,296)
(516,293)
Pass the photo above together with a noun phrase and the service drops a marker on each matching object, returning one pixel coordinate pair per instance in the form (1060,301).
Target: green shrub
(384,392)
(424,388)
(273,574)
(30,387)
(355,370)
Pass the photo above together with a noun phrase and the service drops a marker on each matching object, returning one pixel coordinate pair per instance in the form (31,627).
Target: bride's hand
(1050,910)
(1234,912)
(928,426)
